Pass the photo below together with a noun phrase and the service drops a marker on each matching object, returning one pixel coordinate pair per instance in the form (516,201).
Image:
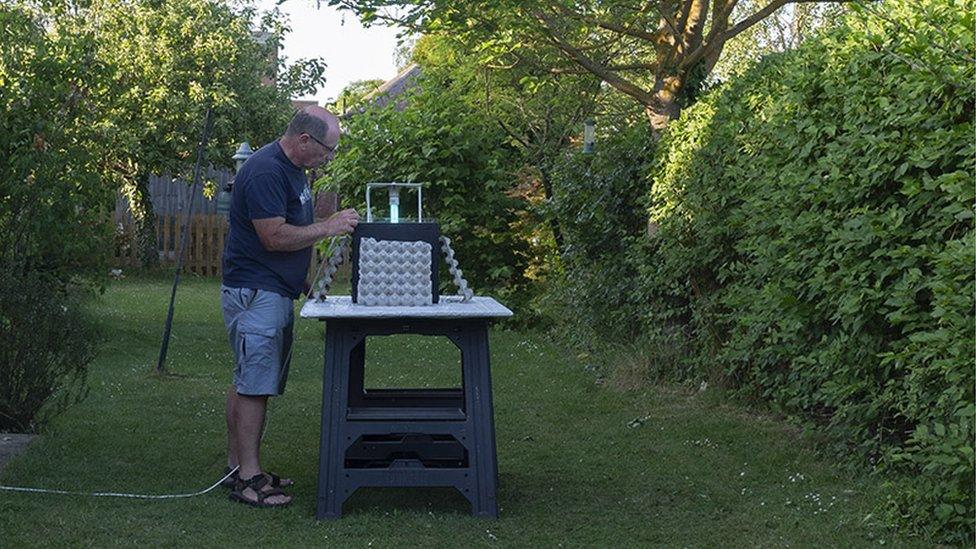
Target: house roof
(388,91)
(299,104)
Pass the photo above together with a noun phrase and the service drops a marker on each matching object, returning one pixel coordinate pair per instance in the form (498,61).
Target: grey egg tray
(394,273)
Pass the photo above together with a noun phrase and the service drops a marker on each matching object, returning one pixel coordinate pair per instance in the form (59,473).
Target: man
(265,263)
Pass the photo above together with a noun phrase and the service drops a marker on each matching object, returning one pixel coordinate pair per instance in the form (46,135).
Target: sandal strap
(261,496)
(275,480)
(256,482)
(274,492)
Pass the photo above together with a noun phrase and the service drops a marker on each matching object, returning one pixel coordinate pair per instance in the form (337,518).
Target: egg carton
(394,272)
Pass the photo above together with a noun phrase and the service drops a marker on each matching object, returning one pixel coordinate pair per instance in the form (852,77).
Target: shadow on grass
(379,501)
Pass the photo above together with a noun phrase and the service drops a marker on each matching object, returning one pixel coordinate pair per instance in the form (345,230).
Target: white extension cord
(117,494)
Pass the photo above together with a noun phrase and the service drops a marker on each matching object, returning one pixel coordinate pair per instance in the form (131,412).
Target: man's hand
(342,222)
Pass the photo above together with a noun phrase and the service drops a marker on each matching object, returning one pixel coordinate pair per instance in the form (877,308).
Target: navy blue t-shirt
(267,185)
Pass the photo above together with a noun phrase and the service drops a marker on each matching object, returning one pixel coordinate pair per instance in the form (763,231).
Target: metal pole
(161,363)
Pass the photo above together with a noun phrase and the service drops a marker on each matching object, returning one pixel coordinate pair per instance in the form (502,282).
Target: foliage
(542,116)
(46,344)
(93,97)
(169,61)
(52,216)
(599,199)
(354,92)
(52,197)
(783,30)
(817,240)
(465,163)
(198,54)
(655,52)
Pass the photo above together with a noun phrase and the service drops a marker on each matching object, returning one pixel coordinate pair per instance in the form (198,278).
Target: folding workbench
(406,436)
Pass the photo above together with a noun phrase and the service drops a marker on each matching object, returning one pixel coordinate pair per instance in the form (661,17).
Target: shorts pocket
(259,349)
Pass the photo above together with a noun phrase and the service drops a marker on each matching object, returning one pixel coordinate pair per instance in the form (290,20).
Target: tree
(540,112)
(465,162)
(655,51)
(783,30)
(52,196)
(354,92)
(53,210)
(170,60)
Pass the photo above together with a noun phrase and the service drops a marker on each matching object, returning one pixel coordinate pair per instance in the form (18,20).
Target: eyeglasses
(328,149)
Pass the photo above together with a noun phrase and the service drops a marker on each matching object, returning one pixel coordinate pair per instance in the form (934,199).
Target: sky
(350,51)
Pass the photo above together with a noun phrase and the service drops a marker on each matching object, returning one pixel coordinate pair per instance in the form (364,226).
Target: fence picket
(221,234)
(210,246)
(199,254)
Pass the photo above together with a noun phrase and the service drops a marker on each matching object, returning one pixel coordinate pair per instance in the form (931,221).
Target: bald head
(311,137)
(313,120)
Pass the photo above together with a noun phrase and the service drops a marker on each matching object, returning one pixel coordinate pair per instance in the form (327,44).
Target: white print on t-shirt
(306,195)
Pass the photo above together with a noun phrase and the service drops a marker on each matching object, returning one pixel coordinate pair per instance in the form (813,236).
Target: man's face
(319,151)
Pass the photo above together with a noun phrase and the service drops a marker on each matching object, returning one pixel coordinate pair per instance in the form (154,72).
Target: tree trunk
(665,106)
(557,233)
(144,218)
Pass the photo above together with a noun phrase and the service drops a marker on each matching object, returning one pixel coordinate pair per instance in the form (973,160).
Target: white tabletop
(449,306)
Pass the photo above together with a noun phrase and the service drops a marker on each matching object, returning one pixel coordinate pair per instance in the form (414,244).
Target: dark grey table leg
(335,381)
(477,393)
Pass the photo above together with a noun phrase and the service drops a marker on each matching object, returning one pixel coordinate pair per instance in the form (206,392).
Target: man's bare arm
(278,236)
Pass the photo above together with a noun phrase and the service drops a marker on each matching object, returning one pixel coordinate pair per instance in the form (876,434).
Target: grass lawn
(580,464)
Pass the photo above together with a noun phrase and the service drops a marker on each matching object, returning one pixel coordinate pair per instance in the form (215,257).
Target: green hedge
(816,235)
(54,204)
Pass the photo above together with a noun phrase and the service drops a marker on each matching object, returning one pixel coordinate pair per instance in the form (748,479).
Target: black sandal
(256,483)
(276,481)
(231,481)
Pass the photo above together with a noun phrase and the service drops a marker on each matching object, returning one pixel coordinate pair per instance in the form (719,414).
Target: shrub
(817,239)
(53,212)
(46,344)
(598,199)
(463,158)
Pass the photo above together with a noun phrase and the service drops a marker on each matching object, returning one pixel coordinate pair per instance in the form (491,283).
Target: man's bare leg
(230,414)
(249,420)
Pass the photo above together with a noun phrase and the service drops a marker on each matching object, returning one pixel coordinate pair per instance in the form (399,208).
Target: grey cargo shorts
(259,329)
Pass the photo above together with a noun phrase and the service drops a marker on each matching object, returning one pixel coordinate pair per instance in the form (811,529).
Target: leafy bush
(53,215)
(85,108)
(46,344)
(468,168)
(817,240)
(53,210)
(599,200)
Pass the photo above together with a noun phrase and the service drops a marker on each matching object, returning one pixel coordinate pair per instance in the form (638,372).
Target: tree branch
(602,71)
(721,37)
(685,13)
(610,26)
(511,133)
(631,67)
(676,43)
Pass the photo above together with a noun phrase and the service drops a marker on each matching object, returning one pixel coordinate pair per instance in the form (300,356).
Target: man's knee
(261,400)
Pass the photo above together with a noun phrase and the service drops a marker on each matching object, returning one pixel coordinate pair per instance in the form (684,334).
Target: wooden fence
(204,247)
(208,229)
